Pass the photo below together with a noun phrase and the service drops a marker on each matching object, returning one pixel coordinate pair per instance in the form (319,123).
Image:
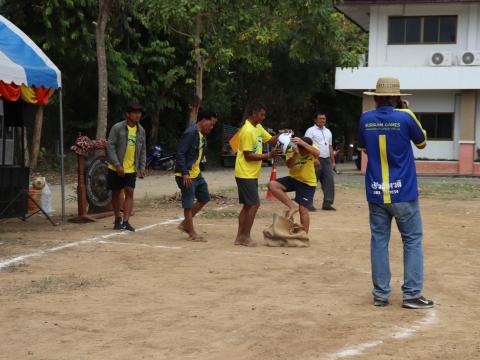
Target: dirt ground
(91,293)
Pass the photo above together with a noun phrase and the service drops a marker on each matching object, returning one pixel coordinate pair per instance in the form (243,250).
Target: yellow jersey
(195,170)
(304,168)
(250,138)
(129,159)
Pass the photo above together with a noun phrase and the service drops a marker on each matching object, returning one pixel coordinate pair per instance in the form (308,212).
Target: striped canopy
(24,63)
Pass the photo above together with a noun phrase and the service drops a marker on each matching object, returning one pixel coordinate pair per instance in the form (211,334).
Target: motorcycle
(159,159)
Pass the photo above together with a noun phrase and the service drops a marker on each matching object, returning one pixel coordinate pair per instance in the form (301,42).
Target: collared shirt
(385,133)
(322,137)
(304,168)
(250,138)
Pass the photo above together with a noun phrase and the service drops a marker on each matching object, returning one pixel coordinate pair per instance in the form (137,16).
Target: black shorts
(248,191)
(303,193)
(116,182)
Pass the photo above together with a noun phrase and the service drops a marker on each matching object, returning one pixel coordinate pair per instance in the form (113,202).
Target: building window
(422,30)
(439,126)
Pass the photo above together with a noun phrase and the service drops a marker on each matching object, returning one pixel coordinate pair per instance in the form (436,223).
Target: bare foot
(197,238)
(245,241)
(181,228)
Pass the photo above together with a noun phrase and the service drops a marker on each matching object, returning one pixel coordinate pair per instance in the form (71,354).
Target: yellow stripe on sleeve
(385,169)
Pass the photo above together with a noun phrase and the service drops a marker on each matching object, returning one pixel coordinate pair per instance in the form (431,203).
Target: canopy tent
(26,72)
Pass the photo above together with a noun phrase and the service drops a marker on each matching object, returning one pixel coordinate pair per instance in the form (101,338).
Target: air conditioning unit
(470,58)
(441,58)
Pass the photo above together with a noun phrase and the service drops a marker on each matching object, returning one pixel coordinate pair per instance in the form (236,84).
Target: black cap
(134,107)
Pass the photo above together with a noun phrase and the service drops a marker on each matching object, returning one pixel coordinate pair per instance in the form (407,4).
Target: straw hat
(387,86)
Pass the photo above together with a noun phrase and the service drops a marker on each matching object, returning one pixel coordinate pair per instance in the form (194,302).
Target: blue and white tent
(22,61)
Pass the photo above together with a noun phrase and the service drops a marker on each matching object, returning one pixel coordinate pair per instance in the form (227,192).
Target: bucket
(37,195)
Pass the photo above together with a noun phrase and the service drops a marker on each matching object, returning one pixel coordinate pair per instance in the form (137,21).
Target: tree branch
(179,32)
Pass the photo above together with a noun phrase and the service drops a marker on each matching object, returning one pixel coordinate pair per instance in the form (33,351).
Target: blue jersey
(385,134)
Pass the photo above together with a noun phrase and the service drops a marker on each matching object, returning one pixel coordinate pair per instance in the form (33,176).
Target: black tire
(98,194)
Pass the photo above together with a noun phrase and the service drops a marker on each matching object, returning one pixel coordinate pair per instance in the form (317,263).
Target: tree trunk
(104,8)
(155,119)
(199,68)
(36,137)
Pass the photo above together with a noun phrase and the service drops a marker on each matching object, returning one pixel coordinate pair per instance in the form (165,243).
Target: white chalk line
(7,262)
(141,245)
(400,334)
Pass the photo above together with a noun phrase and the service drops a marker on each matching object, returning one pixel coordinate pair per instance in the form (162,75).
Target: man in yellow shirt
(302,179)
(247,169)
(126,150)
(190,152)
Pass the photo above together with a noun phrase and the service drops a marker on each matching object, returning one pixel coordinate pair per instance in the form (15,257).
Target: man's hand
(274,153)
(298,141)
(141,174)
(187,181)
(120,171)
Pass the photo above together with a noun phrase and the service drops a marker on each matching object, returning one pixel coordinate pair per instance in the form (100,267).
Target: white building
(433,47)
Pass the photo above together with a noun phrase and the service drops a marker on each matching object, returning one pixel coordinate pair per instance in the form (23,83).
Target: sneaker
(379,302)
(312,208)
(117,224)
(126,226)
(418,303)
(328,207)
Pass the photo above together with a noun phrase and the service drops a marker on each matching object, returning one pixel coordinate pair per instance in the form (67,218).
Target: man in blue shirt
(391,186)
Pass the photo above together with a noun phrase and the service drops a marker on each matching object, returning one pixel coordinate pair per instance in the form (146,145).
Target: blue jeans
(409,223)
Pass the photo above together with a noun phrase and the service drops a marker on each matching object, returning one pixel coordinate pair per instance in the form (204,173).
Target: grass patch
(10,229)
(18,267)
(62,283)
(451,191)
(210,213)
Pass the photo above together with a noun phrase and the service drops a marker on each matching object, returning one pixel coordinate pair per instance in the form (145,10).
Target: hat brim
(373,93)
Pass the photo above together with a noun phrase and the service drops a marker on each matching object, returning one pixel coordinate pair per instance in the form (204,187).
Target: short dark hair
(206,115)
(256,107)
(308,140)
(134,107)
(318,113)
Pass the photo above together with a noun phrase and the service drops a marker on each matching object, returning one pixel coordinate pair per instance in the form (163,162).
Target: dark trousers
(325,176)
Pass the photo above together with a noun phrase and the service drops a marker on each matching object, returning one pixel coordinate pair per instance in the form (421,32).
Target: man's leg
(409,222)
(380,227)
(200,191)
(248,196)
(116,202)
(187,223)
(245,224)
(304,218)
(328,184)
(128,205)
(279,191)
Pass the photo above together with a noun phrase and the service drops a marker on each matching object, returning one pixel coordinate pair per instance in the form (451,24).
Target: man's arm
(112,147)
(417,134)
(250,156)
(310,148)
(186,141)
(332,152)
(143,155)
(182,148)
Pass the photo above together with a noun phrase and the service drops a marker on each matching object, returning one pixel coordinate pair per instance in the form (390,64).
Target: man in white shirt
(322,138)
